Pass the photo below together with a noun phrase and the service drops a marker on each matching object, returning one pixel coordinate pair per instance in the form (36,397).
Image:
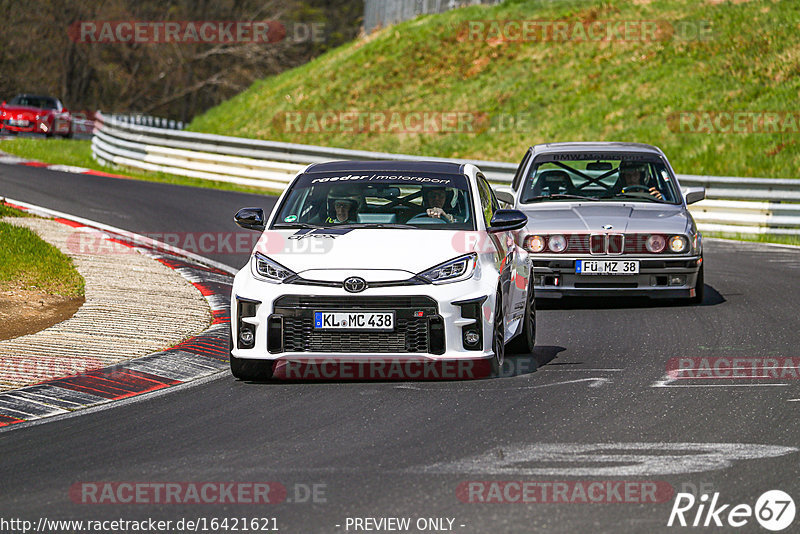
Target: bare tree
(38,52)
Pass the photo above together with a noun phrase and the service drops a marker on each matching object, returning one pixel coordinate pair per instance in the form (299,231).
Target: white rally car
(383,259)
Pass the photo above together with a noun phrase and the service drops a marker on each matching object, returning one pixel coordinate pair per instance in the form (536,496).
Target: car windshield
(378,200)
(34,102)
(599,177)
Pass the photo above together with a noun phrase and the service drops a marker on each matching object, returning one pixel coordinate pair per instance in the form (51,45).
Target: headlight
(264,268)
(655,243)
(557,243)
(678,243)
(534,243)
(455,270)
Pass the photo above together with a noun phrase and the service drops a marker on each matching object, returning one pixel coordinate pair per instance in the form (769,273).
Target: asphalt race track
(594,403)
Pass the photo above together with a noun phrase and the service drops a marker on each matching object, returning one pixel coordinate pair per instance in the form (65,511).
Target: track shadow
(394,371)
(525,364)
(711,298)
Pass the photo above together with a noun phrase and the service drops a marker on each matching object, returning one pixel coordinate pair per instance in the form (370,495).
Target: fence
(379,13)
(733,205)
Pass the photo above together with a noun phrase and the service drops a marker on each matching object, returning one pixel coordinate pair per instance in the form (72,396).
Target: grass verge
(29,263)
(722,57)
(78,153)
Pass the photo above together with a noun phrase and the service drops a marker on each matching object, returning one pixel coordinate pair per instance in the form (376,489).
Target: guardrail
(733,205)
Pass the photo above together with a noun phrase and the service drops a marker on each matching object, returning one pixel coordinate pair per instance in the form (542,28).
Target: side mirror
(504,194)
(694,194)
(507,220)
(251,219)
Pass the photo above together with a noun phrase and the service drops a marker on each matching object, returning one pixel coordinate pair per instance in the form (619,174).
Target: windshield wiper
(641,196)
(297,225)
(376,225)
(559,196)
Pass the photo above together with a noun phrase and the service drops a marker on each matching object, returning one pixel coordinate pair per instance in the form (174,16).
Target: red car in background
(35,114)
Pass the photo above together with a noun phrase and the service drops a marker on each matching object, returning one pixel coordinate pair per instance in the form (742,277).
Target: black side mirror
(507,220)
(251,219)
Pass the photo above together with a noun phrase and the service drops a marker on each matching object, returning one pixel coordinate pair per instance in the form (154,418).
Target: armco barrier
(733,205)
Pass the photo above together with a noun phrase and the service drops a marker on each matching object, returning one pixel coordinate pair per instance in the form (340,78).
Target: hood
(403,252)
(624,217)
(26,109)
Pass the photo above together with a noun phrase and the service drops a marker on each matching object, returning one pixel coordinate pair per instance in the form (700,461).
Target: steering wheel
(637,187)
(423,218)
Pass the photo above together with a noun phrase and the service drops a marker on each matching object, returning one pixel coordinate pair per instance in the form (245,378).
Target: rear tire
(498,336)
(250,370)
(525,342)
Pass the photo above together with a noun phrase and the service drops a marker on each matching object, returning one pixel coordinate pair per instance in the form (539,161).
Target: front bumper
(26,126)
(431,321)
(663,277)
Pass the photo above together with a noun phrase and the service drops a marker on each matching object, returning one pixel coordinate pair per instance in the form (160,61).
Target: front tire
(249,370)
(525,342)
(498,336)
(699,288)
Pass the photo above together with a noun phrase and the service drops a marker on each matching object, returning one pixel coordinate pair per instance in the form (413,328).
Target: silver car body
(588,224)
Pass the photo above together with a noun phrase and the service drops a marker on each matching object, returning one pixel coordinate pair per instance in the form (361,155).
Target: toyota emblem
(354,284)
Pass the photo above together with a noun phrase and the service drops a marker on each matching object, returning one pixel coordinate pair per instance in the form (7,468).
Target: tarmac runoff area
(134,306)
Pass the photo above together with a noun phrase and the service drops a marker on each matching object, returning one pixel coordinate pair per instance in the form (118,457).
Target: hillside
(674,56)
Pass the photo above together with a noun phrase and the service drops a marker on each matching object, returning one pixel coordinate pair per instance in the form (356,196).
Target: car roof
(606,146)
(29,95)
(388,166)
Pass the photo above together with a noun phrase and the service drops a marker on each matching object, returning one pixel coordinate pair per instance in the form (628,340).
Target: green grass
(757,238)
(78,153)
(8,211)
(28,262)
(561,91)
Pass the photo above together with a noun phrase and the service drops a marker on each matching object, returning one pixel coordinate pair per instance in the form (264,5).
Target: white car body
(389,260)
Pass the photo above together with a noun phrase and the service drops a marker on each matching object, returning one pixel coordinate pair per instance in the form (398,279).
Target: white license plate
(621,267)
(15,122)
(382,321)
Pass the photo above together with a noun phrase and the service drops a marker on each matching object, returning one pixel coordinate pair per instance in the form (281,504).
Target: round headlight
(535,243)
(655,243)
(678,243)
(557,243)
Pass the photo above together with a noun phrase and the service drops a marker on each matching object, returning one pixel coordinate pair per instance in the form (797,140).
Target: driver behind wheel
(433,200)
(632,178)
(343,206)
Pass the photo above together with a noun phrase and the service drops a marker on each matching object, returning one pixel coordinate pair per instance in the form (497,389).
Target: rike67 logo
(774,510)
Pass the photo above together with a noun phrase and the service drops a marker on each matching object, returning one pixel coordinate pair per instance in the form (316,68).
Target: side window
(520,170)
(488,202)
